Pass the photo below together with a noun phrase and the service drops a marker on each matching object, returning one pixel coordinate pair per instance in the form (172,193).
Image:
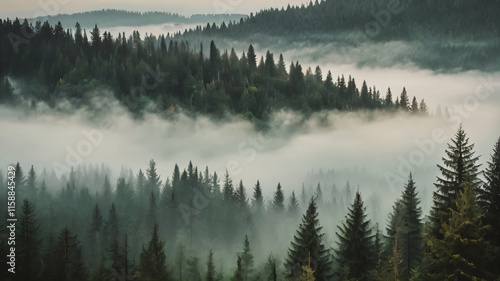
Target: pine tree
(238,274)
(227,188)
(153,181)
(28,243)
(307,244)
(94,235)
(423,108)
(414,106)
(461,253)
(246,261)
(31,187)
(240,199)
(404,101)
(489,200)
(153,261)
(460,162)
(258,201)
(388,99)
(252,59)
(405,226)
(293,206)
(212,274)
(355,251)
(278,204)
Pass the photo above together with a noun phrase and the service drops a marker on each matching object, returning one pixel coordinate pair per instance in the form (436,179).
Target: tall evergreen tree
(258,201)
(153,261)
(293,206)
(489,200)
(278,204)
(28,243)
(246,261)
(307,246)
(153,181)
(355,251)
(212,274)
(459,163)
(461,253)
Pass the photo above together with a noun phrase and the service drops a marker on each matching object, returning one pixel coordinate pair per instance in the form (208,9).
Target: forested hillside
(111,18)
(167,76)
(194,224)
(444,35)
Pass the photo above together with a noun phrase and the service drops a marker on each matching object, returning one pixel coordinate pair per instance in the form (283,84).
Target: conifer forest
(229,140)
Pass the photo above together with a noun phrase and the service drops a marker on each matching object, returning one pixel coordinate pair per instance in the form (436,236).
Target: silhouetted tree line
(401,19)
(145,228)
(165,76)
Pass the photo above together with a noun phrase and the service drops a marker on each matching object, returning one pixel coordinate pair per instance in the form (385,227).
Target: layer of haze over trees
(165,75)
(198,225)
(194,224)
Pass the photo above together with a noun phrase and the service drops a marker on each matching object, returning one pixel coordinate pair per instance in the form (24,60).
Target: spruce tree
(153,261)
(355,251)
(193,270)
(460,162)
(153,181)
(258,201)
(489,200)
(307,245)
(212,274)
(28,243)
(462,252)
(293,206)
(246,260)
(278,204)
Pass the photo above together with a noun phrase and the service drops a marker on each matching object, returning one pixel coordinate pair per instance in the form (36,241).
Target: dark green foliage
(489,200)
(153,261)
(355,249)
(176,77)
(459,163)
(278,204)
(405,225)
(29,243)
(462,252)
(308,247)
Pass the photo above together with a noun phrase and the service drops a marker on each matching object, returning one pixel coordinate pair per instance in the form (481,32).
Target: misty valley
(307,140)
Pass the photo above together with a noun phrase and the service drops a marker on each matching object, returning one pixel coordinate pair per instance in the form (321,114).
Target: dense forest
(168,76)
(198,225)
(440,35)
(111,17)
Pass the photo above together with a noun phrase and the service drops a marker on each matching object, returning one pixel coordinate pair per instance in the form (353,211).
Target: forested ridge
(440,35)
(405,19)
(113,17)
(177,227)
(168,76)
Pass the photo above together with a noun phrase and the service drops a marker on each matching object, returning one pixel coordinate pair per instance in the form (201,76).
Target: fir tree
(293,206)
(307,244)
(489,200)
(278,204)
(28,243)
(246,260)
(355,246)
(460,162)
(153,261)
(461,253)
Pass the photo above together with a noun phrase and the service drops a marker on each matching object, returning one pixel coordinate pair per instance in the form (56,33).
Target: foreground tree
(28,245)
(406,228)
(462,252)
(153,261)
(307,245)
(489,200)
(459,163)
(355,253)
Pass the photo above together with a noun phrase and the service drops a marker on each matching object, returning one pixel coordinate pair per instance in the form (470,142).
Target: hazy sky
(33,8)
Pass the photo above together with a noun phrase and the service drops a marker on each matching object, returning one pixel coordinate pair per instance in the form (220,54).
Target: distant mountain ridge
(113,17)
